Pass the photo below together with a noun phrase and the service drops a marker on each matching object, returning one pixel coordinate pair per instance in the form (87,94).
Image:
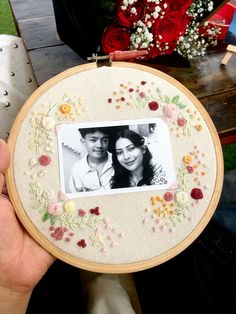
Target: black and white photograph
(115,157)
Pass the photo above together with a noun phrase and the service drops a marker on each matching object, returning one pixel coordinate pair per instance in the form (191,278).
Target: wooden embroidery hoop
(90,265)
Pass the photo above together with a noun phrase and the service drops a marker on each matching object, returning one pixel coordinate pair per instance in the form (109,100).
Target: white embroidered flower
(181,197)
(48,123)
(48,194)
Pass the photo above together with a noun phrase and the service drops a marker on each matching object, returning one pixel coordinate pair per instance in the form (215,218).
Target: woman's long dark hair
(121,177)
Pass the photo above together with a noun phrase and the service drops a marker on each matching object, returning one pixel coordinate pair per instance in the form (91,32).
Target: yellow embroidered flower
(65,108)
(181,197)
(69,206)
(187,159)
(198,127)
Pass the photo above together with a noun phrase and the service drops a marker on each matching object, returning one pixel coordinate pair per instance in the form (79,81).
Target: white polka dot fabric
(17,80)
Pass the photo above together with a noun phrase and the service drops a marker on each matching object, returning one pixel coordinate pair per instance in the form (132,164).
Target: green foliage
(7,23)
(229,154)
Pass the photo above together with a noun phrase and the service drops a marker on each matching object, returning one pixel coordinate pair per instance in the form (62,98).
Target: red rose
(115,38)
(150,9)
(126,18)
(181,5)
(168,30)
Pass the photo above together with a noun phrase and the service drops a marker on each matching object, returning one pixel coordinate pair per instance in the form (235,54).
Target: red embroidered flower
(95,211)
(115,38)
(153,105)
(82,243)
(44,160)
(196,194)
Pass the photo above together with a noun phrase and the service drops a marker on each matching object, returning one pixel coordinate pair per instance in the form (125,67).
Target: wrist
(13,302)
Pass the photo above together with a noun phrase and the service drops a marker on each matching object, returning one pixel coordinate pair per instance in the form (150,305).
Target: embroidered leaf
(36,195)
(180,105)
(175,99)
(45,216)
(53,219)
(167,99)
(69,221)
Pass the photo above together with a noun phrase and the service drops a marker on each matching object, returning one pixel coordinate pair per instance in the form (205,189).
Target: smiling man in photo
(94,171)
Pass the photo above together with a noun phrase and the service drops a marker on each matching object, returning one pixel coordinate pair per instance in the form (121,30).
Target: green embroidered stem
(69,221)
(182,176)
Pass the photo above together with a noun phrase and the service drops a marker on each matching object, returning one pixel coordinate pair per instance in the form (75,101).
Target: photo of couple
(112,157)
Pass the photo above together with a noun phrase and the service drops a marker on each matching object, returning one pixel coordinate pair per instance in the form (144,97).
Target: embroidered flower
(181,197)
(48,123)
(48,194)
(196,194)
(55,209)
(44,160)
(95,211)
(32,162)
(153,105)
(190,169)
(65,108)
(187,159)
(58,233)
(81,213)
(69,206)
(168,196)
(82,243)
(170,111)
(181,122)
(198,127)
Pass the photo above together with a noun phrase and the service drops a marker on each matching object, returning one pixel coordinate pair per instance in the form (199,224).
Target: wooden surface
(211,82)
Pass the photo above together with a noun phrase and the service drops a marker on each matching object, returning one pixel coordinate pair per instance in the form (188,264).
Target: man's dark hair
(84,131)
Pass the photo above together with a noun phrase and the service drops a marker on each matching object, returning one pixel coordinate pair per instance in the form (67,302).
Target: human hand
(22,261)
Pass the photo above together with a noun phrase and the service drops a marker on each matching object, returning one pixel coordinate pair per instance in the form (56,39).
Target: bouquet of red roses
(159,26)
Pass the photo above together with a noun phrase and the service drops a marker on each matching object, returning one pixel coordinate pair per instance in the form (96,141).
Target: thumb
(4,161)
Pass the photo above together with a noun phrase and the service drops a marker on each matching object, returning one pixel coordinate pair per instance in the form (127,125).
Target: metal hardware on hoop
(101,60)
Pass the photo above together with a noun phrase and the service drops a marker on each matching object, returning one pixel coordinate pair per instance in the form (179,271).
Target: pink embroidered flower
(171,111)
(181,121)
(142,94)
(58,234)
(168,196)
(190,169)
(81,212)
(44,160)
(55,209)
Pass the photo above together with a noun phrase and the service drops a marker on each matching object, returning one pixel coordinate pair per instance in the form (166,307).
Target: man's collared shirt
(84,178)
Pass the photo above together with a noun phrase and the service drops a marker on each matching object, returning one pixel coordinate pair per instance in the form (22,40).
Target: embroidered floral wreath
(159,26)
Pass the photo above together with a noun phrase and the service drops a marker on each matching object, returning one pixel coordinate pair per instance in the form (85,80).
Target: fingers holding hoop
(4,163)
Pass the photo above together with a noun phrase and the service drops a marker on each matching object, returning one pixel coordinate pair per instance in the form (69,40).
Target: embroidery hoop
(94,265)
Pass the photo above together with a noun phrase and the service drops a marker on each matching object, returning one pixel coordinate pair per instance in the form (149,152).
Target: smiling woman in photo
(133,163)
